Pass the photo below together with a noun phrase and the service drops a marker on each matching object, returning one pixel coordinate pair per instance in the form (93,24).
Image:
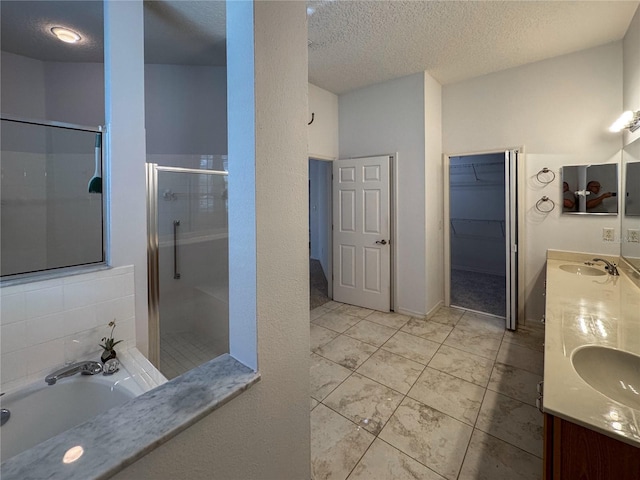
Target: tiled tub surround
(589,310)
(46,324)
(397,397)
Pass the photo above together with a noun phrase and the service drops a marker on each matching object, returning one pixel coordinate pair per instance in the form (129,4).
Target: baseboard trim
(410,313)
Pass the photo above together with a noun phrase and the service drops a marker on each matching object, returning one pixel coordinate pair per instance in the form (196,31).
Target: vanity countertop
(589,310)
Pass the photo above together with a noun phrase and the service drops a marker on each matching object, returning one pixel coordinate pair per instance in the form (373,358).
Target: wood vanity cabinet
(573,452)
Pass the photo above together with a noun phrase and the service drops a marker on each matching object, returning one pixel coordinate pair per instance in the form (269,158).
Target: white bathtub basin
(40,411)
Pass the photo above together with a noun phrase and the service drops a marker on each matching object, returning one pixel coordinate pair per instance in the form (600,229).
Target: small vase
(107,355)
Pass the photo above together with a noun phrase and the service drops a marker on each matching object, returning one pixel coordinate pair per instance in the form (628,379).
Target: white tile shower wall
(209,162)
(46,324)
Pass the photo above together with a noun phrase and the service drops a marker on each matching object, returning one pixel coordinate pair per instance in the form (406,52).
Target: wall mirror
(630,224)
(590,189)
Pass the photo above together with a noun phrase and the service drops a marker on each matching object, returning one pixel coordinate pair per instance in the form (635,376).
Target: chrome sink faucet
(612,268)
(85,368)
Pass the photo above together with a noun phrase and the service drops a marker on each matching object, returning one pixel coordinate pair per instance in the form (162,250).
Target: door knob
(381,242)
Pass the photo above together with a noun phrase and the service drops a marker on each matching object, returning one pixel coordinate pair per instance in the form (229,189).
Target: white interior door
(361,232)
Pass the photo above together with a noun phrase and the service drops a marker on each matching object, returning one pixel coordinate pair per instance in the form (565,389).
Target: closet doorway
(481,241)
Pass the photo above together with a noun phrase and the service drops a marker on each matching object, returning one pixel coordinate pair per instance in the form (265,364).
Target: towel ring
(542,201)
(545,170)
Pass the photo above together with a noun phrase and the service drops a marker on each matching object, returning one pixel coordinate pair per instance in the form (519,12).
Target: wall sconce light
(628,119)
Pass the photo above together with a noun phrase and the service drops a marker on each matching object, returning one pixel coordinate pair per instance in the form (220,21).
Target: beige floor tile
(325,376)
(384,462)
(489,458)
(528,337)
(354,310)
(391,370)
(451,395)
(461,364)
(483,323)
(392,319)
(412,347)
(447,316)
(433,331)
(336,444)
(521,357)
(371,333)
(428,435)
(331,305)
(485,344)
(314,403)
(513,421)
(347,351)
(364,402)
(318,312)
(320,336)
(336,321)
(515,383)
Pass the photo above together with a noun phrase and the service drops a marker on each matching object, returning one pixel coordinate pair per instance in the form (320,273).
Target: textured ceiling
(358,43)
(354,43)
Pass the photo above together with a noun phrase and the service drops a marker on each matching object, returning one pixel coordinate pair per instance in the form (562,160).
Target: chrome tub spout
(84,368)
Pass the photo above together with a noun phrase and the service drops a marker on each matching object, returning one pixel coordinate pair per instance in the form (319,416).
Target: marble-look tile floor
(399,397)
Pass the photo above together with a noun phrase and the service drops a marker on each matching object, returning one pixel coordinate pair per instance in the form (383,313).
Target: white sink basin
(583,270)
(614,373)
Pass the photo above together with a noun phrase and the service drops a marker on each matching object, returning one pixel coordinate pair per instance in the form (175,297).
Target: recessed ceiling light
(65,35)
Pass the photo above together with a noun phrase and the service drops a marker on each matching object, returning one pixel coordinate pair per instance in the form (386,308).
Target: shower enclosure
(188,267)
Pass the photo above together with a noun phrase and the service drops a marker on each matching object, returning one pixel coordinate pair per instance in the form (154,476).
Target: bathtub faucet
(85,368)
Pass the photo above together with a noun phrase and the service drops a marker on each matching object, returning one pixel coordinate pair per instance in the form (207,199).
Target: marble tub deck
(452,397)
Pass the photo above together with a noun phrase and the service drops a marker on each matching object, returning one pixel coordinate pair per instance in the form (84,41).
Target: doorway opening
(320,237)
(481,209)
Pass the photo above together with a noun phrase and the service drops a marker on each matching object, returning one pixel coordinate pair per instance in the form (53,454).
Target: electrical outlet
(608,234)
(633,235)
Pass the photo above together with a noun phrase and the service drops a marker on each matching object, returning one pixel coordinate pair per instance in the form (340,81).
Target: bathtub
(40,411)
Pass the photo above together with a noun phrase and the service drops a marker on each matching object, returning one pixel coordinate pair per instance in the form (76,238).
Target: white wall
(186,109)
(433,178)
(323,132)
(263,433)
(23,90)
(559,110)
(75,92)
(385,119)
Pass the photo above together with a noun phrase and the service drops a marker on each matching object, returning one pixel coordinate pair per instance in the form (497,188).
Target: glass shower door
(188,267)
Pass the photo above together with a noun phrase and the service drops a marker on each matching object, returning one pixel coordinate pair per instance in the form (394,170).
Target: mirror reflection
(632,190)
(590,189)
(630,225)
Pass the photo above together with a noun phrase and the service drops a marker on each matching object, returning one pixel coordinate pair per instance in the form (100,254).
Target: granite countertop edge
(124,434)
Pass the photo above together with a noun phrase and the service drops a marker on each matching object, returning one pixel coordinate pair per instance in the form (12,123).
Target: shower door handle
(176,224)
